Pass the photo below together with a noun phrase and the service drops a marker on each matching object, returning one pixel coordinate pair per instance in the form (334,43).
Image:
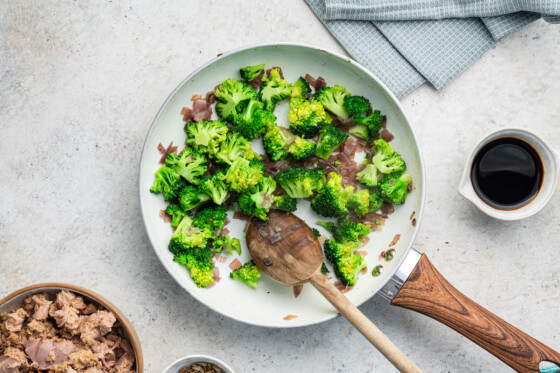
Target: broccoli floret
(324,269)
(360,131)
(189,164)
(316,232)
(301,150)
(347,269)
(232,95)
(372,124)
(258,201)
(248,273)
(331,199)
(215,187)
(285,203)
(256,125)
(274,89)
(251,72)
(357,105)
(359,202)
(332,99)
(243,175)
(301,89)
(385,158)
(376,200)
(226,243)
(330,138)
(168,182)
(307,118)
(328,225)
(368,176)
(205,137)
(299,182)
(199,264)
(176,213)
(246,115)
(349,231)
(212,218)
(188,237)
(394,187)
(191,197)
(275,143)
(233,147)
(336,250)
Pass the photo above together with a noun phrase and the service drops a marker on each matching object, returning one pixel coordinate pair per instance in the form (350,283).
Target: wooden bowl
(14,301)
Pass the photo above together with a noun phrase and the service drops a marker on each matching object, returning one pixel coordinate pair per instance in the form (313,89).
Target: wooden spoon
(286,249)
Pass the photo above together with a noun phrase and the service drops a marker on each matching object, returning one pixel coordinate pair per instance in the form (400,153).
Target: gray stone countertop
(80,83)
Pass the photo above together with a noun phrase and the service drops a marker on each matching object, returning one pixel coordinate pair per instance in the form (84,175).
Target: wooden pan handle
(363,324)
(427,292)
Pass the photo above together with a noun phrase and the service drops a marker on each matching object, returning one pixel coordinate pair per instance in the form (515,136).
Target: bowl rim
(110,306)
(203,358)
(395,100)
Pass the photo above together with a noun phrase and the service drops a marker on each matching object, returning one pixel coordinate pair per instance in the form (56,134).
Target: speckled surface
(80,83)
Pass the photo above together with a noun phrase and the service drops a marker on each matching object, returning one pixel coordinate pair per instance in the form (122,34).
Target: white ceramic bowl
(186,361)
(271,303)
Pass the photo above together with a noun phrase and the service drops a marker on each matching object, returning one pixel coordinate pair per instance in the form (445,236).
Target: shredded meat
(386,135)
(63,334)
(388,208)
(165,216)
(201,110)
(238,214)
(235,264)
(170,149)
(187,113)
(210,97)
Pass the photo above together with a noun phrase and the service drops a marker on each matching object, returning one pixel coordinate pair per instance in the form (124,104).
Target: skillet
(408,280)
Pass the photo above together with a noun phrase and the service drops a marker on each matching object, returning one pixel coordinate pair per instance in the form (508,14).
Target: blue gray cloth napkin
(408,42)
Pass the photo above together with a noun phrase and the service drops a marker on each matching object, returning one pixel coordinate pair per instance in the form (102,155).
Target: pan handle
(427,292)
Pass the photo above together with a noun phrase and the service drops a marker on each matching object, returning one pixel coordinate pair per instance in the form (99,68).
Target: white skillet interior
(271,302)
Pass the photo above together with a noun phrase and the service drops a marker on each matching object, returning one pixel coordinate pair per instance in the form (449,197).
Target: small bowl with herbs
(198,364)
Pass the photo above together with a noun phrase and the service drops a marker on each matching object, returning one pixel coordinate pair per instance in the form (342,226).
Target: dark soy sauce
(507,173)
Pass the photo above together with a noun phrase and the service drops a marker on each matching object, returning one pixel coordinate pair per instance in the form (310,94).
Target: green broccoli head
(307,117)
(189,164)
(332,99)
(275,143)
(356,105)
(394,187)
(316,232)
(299,182)
(248,273)
(256,125)
(251,72)
(212,218)
(372,123)
(233,95)
(191,197)
(376,200)
(246,116)
(187,237)
(301,150)
(385,158)
(206,136)
(301,89)
(359,202)
(368,176)
(199,264)
(233,147)
(168,182)
(227,243)
(330,138)
(176,213)
(324,269)
(258,201)
(360,131)
(349,231)
(335,251)
(347,269)
(215,187)
(331,199)
(285,203)
(243,175)
(274,89)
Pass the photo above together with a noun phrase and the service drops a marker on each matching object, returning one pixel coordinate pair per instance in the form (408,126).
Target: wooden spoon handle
(363,324)
(427,292)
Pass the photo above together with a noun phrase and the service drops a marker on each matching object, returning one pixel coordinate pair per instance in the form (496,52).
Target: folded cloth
(406,42)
